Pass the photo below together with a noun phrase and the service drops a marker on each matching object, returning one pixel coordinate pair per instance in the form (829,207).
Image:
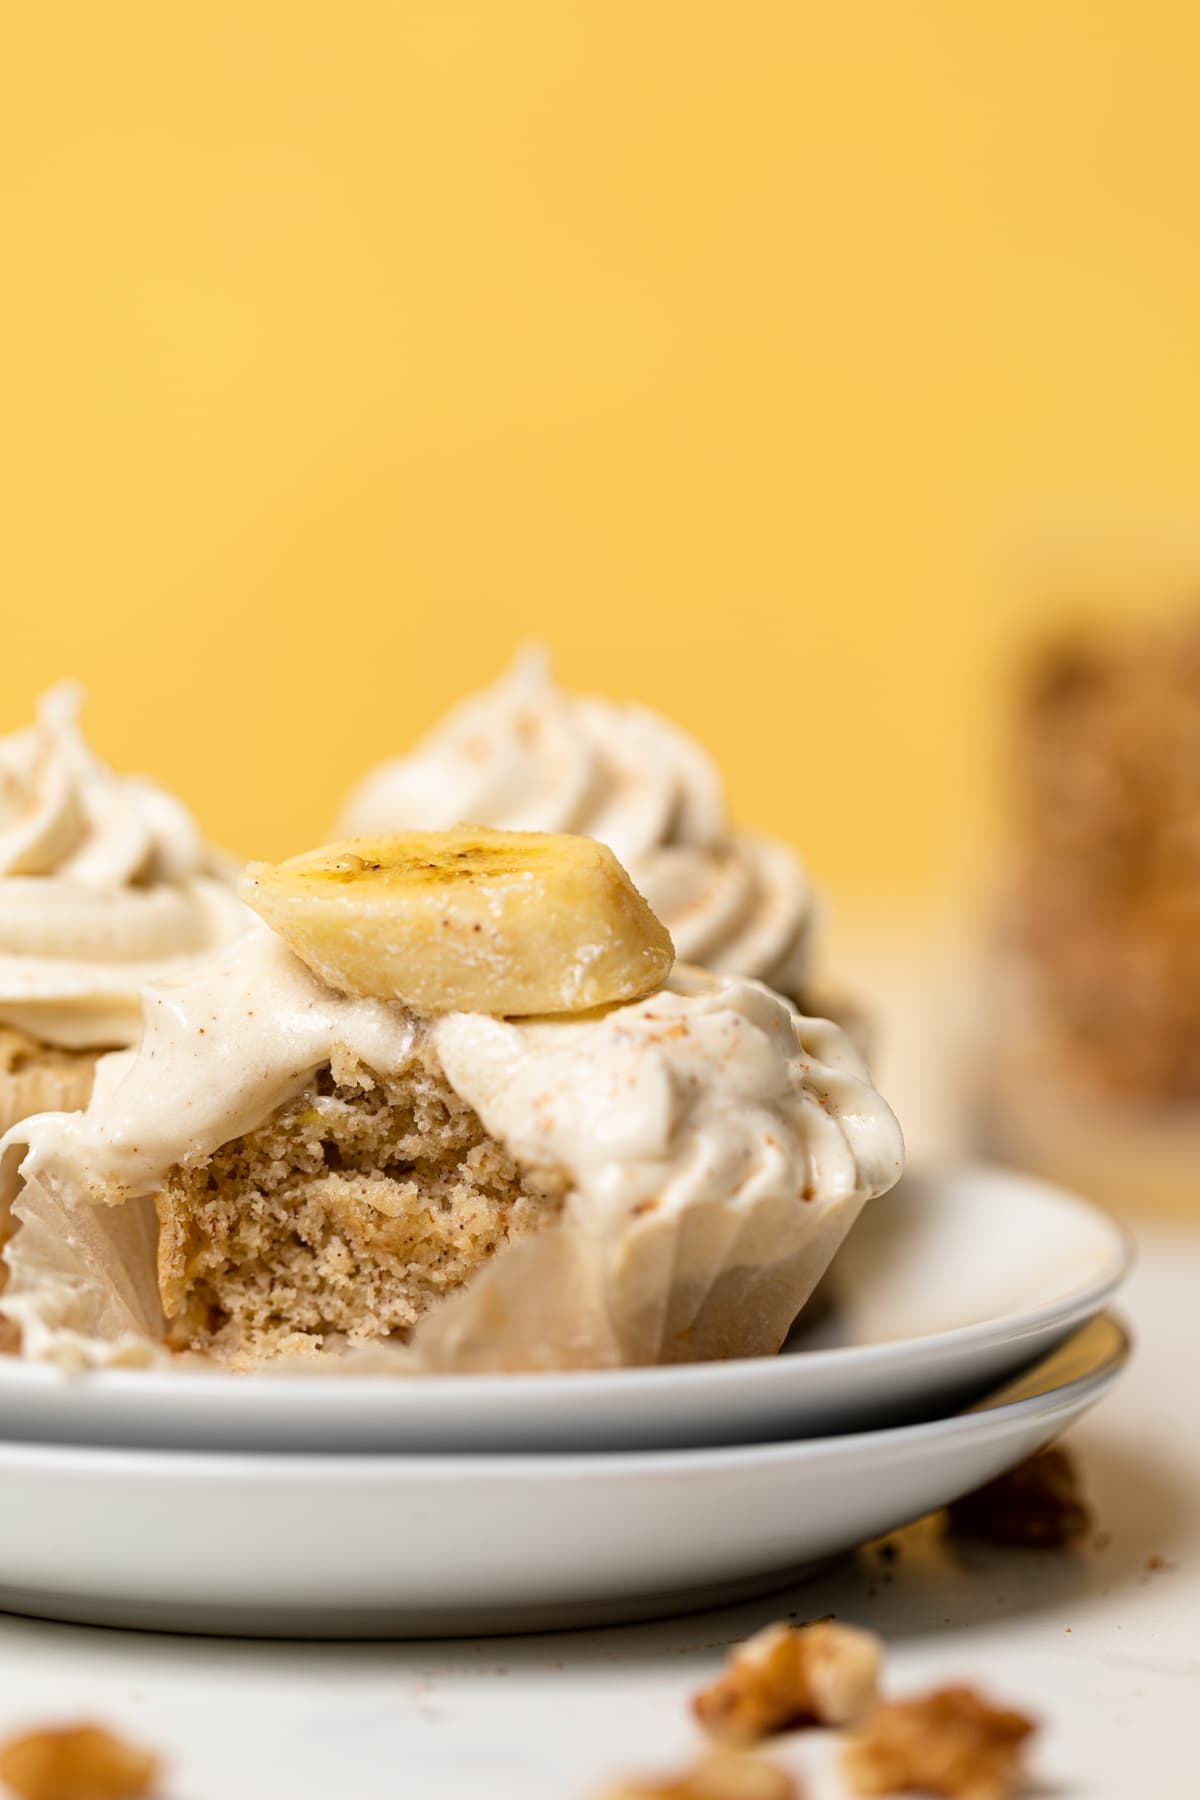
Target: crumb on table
(76,1762)
(722,1775)
(786,1676)
(1038,1505)
(950,1743)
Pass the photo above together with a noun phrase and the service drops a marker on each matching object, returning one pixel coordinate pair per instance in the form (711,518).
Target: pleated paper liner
(62,1083)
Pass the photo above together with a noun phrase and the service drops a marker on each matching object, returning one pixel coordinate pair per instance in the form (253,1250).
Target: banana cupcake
(526,756)
(104,885)
(448,1107)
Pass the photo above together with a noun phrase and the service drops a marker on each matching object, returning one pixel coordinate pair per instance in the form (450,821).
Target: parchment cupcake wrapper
(36,1089)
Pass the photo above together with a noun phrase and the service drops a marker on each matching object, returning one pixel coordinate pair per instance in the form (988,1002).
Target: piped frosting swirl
(526,756)
(105,882)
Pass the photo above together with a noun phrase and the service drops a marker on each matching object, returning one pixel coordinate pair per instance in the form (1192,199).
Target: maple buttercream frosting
(303,1172)
(525,755)
(105,883)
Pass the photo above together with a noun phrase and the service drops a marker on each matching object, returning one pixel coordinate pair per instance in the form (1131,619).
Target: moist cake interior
(338,1221)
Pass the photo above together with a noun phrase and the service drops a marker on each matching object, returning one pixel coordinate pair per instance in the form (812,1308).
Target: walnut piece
(76,1762)
(949,1743)
(1038,1506)
(783,1677)
(724,1775)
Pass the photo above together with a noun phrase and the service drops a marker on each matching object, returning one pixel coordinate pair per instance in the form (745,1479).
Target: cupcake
(104,885)
(525,756)
(451,1108)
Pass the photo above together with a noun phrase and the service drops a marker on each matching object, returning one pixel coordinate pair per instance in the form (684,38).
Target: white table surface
(1102,1645)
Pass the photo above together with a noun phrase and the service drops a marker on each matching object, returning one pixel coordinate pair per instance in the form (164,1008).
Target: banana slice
(506,922)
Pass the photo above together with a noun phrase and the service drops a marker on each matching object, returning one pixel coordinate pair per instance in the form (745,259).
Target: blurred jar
(1092,1060)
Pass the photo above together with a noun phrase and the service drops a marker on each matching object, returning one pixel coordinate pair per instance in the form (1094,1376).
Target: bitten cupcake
(454,1109)
(104,885)
(526,756)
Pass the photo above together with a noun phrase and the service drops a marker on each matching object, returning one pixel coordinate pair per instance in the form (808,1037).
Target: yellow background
(738,350)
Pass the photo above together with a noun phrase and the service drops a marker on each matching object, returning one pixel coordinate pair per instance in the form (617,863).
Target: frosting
(712,1088)
(104,882)
(525,756)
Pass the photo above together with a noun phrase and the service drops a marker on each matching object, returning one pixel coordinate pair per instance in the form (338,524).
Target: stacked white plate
(961,1328)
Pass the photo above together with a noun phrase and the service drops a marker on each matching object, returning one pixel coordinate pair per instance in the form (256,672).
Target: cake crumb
(784,1677)
(76,1762)
(1036,1506)
(722,1775)
(950,1743)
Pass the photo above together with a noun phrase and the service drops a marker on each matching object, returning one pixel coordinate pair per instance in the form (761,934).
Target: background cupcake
(105,882)
(525,756)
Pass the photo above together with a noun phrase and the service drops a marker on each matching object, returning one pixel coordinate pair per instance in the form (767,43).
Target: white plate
(946,1286)
(384,1546)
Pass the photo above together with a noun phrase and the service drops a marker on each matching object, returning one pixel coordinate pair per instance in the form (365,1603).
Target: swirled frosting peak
(525,756)
(105,882)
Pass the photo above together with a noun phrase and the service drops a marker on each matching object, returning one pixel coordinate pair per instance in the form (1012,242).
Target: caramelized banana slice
(505,922)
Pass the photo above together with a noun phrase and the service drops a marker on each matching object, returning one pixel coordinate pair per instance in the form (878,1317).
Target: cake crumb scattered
(950,1743)
(1037,1506)
(787,1676)
(722,1775)
(76,1762)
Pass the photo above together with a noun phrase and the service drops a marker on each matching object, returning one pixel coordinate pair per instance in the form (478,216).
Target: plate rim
(284,1468)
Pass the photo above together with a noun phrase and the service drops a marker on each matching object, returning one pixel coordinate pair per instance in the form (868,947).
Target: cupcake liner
(37,1088)
(712,1281)
(83,1280)
(723,1279)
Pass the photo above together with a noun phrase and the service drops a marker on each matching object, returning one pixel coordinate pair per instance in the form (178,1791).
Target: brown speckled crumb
(950,1743)
(77,1762)
(1037,1505)
(784,1677)
(725,1775)
(342,1217)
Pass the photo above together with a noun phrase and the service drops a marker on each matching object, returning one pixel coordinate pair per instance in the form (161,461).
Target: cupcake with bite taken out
(449,1106)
